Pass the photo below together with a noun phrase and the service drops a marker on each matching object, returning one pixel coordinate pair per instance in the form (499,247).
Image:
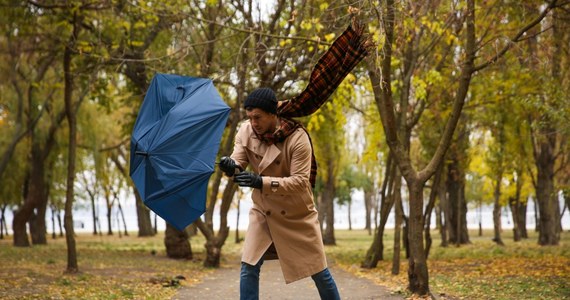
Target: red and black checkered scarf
(331,69)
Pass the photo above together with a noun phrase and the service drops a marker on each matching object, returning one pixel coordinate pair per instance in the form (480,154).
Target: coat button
(268,213)
(283,212)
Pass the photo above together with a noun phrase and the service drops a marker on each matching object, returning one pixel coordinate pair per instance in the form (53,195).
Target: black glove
(249,179)
(228,166)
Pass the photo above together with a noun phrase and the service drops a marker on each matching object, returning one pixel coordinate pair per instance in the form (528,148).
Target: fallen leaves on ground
(477,278)
(110,268)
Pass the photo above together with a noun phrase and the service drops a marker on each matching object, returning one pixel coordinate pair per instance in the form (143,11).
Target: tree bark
(3,221)
(418,277)
(93,211)
(109,214)
(72,265)
(431,204)
(327,205)
(398,226)
(125,231)
(36,188)
(368,198)
(549,210)
(514,205)
(444,210)
(215,242)
(457,225)
(38,228)
(376,251)
(497,228)
(176,243)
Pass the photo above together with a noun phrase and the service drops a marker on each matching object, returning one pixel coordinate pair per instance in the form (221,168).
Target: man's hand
(228,166)
(249,179)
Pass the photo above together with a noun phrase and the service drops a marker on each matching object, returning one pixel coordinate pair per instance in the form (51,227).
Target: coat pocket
(290,206)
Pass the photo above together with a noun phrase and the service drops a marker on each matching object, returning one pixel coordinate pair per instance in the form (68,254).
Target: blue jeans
(249,283)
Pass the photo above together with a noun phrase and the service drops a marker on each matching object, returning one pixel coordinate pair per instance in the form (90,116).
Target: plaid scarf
(331,69)
(286,128)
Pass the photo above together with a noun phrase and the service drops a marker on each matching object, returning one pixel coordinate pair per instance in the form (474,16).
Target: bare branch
(516,38)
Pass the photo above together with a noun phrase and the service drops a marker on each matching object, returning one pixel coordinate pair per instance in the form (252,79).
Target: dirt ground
(224,284)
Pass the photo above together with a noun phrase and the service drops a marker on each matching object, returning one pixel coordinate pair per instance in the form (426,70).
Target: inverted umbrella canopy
(174,146)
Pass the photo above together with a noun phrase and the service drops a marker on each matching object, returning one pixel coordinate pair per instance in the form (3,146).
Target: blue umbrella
(174,146)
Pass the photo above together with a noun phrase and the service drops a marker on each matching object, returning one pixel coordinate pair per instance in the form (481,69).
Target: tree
(35,114)
(71,115)
(273,52)
(544,117)
(381,77)
(351,179)
(324,127)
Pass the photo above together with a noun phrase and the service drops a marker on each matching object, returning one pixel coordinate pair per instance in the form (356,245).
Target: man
(283,218)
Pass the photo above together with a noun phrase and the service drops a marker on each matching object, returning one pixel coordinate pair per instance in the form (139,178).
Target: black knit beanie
(262,98)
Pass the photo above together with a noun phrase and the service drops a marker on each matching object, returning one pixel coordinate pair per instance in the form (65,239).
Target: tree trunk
(431,204)
(59,223)
(457,225)
(376,251)
(368,198)
(418,277)
(143,217)
(544,149)
(214,250)
(497,212)
(327,206)
(398,226)
(514,206)
(38,228)
(522,219)
(536,215)
(93,212)
(34,193)
(72,266)
(549,209)
(176,243)
(35,186)
(444,209)
(109,215)
(214,243)
(125,232)
(349,215)
(3,221)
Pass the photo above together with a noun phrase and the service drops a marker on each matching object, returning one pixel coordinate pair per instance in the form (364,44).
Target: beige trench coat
(283,211)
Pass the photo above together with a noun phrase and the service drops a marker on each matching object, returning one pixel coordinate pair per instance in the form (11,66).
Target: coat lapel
(270,155)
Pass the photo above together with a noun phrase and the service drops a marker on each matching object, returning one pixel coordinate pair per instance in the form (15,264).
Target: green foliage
(351,179)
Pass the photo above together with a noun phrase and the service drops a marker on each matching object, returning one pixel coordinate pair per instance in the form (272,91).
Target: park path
(223,283)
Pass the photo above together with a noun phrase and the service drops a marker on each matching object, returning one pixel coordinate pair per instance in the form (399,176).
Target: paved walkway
(224,284)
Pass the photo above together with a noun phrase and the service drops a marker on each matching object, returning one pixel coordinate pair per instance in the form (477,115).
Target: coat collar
(268,152)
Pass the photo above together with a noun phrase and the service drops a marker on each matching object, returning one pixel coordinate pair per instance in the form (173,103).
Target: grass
(110,268)
(480,270)
(125,268)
